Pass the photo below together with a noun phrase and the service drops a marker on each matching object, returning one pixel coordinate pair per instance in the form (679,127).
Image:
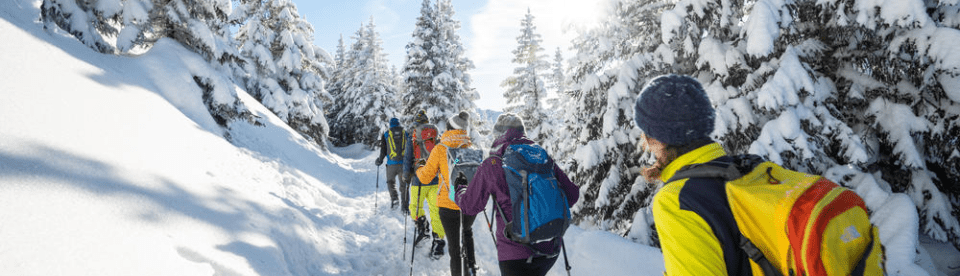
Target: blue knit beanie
(394,122)
(674,110)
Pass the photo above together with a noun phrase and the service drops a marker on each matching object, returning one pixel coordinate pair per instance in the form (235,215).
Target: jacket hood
(511,137)
(455,138)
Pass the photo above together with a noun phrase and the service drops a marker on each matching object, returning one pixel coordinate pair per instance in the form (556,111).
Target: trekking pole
(375,196)
(566,260)
(413,249)
(403,252)
(463,252)
(490,225)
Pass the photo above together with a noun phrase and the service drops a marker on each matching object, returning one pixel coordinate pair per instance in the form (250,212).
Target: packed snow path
(112,165)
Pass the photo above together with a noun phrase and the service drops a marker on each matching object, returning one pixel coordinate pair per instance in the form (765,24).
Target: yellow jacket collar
(701,155)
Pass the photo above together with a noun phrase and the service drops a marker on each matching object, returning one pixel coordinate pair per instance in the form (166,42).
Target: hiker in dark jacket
(391,147)
(490,180)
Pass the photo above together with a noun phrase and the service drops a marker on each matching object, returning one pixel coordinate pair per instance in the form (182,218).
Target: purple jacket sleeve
(572,191)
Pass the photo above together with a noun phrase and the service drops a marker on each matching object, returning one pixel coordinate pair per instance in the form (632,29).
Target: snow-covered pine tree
(451,79)
(337,78)
(525,90)
(114,26)
(418,69)
(792,81)
(368,89)
(612,60)
(898,87)
(435,72)
(555,107)
(285,66)
(93,23)
(340,134)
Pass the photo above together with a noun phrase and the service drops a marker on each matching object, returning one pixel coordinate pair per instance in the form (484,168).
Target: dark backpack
(395,143)
(541,212)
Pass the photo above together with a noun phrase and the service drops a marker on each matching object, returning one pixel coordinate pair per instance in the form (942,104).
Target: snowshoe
(436,251)
(421,231)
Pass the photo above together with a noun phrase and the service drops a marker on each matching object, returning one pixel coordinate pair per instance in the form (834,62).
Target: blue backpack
(541,212)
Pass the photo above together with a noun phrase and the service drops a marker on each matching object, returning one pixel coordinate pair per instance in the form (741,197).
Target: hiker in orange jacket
(455,137)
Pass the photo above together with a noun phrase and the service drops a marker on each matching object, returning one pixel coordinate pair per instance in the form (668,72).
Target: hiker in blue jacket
(491,180)
(391,146)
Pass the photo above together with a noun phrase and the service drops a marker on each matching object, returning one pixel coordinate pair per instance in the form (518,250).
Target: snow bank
(893,213)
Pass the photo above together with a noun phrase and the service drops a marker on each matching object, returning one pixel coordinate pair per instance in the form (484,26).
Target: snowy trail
(111,165)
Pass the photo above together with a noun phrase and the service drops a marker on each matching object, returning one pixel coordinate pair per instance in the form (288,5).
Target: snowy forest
(820,86)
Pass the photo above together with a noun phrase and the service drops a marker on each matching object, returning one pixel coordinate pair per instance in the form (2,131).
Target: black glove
(421,163)
(460,184)
(379,161)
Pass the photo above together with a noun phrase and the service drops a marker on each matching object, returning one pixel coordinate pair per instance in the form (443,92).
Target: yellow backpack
(792,223)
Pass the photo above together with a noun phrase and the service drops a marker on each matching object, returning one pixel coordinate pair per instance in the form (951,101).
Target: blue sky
(488,30)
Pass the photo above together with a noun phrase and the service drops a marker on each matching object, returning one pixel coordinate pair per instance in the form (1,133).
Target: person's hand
(460,184)
(421,163)
(379,161)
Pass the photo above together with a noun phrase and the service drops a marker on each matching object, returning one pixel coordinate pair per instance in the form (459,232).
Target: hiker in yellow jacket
(697,227)
(697,235)
(437,165)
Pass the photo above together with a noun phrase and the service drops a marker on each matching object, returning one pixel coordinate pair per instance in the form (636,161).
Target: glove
(379,161)
(421,163)
(460,184)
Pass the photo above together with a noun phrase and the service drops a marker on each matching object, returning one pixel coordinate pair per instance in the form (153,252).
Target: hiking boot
(436,251)
(394,203)
(421,230)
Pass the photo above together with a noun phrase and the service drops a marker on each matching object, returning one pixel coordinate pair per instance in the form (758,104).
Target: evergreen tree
(613,60)
(811,85)
(553,114)
(285,69)
(90,22)
(435,71)
(452,79)
(368,93)
(114,26)
(418,70)
(525,90)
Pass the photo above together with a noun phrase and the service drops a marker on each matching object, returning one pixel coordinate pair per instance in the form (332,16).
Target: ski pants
(393,173)
(426,193)
(451,222)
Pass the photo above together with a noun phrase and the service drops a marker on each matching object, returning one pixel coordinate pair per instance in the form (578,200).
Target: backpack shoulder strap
(757,256)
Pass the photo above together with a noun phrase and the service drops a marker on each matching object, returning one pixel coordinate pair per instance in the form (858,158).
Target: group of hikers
(419,158)
(716,214)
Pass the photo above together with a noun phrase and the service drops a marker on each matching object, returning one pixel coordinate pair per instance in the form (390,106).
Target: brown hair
(664,155)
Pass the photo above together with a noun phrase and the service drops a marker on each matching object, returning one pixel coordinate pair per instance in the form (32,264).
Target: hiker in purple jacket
(491,181)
